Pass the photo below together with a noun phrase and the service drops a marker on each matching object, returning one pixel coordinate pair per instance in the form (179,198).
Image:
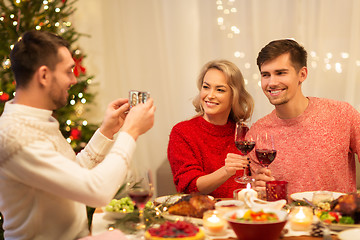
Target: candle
(301,218)
(213,222)
(247,193)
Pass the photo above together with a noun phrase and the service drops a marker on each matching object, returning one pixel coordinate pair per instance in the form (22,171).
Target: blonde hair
(242,103)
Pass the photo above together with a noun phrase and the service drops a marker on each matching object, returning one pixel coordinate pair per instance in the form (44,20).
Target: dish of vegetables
(256,216)
(336,221)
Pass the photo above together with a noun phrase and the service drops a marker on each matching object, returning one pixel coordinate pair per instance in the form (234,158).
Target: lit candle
(213,222)
(247,193)
(301,218)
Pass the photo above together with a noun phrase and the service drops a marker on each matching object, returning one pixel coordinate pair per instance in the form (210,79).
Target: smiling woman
(215,97)
(207,161)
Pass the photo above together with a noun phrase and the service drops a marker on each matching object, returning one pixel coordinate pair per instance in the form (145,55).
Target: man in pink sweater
(316,139)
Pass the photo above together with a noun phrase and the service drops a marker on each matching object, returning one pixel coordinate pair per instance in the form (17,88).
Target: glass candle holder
(276,190)
(301,218)
(214,223)
(239,194)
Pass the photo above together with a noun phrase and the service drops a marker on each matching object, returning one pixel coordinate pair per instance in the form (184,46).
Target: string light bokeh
(227,11)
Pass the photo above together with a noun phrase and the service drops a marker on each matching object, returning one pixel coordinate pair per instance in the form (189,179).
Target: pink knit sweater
(315,151)
(197,148)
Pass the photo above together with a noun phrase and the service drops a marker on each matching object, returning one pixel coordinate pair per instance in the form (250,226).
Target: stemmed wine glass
(265,149)
(245,146)
(140,191)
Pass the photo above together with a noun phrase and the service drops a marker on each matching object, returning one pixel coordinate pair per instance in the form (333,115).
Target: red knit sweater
(197,148)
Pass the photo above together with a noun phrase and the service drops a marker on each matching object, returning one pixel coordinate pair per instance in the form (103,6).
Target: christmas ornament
(79,68)
(4,97)
(75,134)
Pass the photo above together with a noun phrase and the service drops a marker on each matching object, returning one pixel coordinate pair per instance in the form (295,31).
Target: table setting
(299,219)
(249,215)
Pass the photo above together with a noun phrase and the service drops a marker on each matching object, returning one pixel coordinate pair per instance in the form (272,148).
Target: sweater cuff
(103,144)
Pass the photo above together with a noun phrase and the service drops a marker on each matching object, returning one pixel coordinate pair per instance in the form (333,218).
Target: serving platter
(169,199)
(349,234)
(341,227)
(309,195)
(172,217)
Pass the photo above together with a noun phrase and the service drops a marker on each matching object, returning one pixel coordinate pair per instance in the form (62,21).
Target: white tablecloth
(100,223)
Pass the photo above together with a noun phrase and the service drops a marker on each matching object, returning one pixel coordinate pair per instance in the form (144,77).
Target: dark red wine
(265,156)
(140,196)
(245,146)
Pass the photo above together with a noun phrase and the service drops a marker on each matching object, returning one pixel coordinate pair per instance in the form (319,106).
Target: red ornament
(63,1)
(4,97)
(75,134)
(78,69)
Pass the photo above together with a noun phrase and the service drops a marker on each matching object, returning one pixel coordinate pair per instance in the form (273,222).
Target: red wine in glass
(140,196)
(245,146)
(140,191)
(265,156)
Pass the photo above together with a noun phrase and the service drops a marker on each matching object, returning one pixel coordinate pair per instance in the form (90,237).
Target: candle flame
(300,214)
(248,186)
(213,219)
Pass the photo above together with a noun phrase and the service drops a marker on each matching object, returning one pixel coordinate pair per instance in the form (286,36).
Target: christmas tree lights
(18,16)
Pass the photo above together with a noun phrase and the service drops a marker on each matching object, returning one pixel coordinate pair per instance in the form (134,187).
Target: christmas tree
(18,16)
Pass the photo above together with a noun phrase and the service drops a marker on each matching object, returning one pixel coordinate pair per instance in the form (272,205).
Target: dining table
(101,224)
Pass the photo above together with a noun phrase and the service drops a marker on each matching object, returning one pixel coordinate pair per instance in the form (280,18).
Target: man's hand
(262,176)
(140,119)
(114,117)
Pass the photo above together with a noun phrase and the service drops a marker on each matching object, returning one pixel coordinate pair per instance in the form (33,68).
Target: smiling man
(316,139)
(45,186)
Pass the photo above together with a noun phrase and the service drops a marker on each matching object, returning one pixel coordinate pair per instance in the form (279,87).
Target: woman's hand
(235,162)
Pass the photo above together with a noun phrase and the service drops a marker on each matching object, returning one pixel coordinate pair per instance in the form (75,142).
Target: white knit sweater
(44,186)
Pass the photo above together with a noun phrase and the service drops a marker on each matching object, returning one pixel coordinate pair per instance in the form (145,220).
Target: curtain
(160,45)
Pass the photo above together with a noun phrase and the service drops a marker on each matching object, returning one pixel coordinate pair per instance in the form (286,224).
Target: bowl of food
(254,224)
(118,208)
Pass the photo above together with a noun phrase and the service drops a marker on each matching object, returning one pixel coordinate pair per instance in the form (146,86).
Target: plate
(172,217)
(113,215)
(309,195)
(349,234)
(229,203)
(169,199)
(340,227)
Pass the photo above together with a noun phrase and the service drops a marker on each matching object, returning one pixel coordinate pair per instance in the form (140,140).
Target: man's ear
(43,75)
(303,72)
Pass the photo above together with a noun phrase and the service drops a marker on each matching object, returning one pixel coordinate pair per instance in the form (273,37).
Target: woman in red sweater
(201,151)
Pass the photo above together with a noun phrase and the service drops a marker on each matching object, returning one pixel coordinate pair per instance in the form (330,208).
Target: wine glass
(245,146)
(140,191)
(265,149)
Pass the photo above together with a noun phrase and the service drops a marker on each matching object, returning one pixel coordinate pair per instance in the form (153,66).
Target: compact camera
(136,97)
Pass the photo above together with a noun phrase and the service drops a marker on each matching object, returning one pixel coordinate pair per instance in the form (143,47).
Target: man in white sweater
(44,186)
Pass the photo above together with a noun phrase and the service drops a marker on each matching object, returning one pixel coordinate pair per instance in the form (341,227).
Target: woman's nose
(211,94)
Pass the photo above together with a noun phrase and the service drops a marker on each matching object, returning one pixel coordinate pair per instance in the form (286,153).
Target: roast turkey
(193,205)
